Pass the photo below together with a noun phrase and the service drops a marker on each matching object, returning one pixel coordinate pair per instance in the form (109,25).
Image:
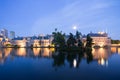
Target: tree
(59,39)
(78,35)
(71,41)
(115,41)
(78,39)
(80,44)
(89,41)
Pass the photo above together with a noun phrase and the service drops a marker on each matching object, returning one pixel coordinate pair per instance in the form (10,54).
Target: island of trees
(71,42)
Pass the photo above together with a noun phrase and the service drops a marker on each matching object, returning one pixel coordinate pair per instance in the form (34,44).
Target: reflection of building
(36,51)
(115,50)
(46,52)
(101,55)
(103,62)
(4,53)
(21,52)
(99,39)
(24,52)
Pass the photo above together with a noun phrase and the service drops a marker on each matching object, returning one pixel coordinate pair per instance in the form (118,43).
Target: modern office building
(12,34)
(4,33)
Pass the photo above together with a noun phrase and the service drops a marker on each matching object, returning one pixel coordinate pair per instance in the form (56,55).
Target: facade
(34,41)
(46,40)
(4,33)
(20,42)
(5,42)
(12,34)
(1,39)
(100,39)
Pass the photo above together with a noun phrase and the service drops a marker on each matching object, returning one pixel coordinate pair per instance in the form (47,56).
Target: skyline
(31,17)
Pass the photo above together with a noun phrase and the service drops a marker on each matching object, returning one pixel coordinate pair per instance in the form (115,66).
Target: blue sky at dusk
(29,17)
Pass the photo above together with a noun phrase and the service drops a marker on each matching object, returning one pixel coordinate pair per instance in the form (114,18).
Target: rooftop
(99,34)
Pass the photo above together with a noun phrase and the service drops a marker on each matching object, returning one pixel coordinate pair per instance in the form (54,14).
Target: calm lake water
(45,64)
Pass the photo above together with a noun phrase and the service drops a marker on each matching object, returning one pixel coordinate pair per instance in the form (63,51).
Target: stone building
(100,39)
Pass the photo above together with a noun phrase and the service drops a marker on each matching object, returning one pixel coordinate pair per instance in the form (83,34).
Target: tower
(12,34)
(4,33)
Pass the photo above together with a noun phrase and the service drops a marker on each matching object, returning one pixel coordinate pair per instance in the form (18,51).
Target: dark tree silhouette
(89,41)
(71,41)
(59,38)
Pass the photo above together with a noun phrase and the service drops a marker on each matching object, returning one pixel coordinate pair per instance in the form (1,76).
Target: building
(40,41)
(100,39)
(4,33)
(34,41)
(45,43)
(12,34)
(19,41)
(1,38)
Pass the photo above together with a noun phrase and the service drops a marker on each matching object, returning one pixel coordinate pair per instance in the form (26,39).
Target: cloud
(82,13)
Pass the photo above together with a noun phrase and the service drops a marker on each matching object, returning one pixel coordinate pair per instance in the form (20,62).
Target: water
(45,64)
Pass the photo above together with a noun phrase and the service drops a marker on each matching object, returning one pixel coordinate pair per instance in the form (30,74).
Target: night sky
(33,17)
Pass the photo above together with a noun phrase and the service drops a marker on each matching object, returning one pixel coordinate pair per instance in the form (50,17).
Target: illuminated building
(40,41)
(46,40)
(20,42)
(1,38)
(4,53)
(34,42)
(4,33)
(100,39)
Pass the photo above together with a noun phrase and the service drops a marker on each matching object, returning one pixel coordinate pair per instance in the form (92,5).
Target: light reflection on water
(21,52)
(36,51)
(100,54)
(40,62)
(115,50)
(118,50)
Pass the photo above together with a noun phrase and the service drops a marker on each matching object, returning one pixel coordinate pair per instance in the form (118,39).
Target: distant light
(101,33)
(74,27)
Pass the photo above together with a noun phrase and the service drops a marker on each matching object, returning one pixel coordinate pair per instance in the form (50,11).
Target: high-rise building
(4,33)
(12,34)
